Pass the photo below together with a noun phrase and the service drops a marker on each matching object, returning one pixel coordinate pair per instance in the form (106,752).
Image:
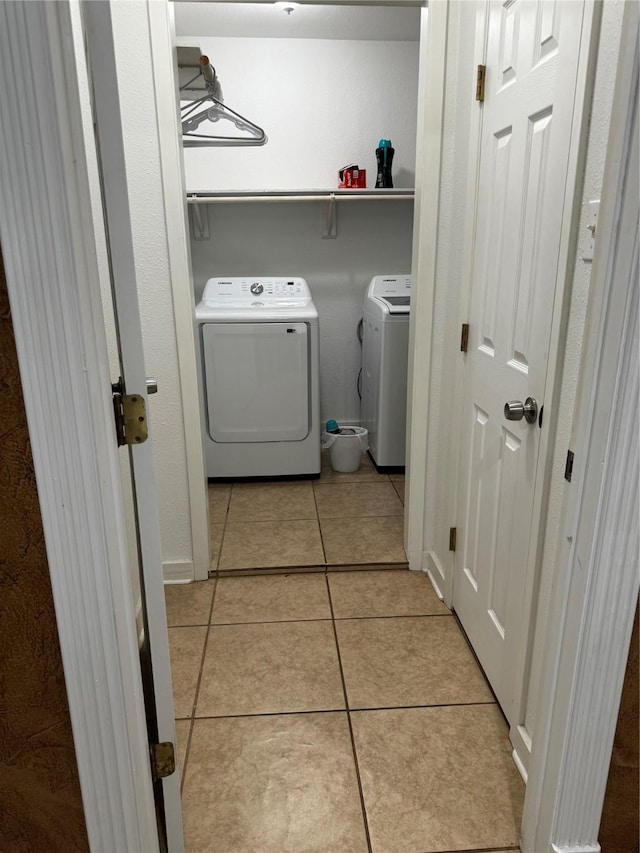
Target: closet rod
(233,199)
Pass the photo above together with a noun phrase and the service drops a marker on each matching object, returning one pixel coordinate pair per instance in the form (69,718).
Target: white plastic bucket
(345,451)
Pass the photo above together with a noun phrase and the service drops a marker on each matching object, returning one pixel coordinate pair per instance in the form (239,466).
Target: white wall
(395,21)
(153,278)
(324,104)
(374,237)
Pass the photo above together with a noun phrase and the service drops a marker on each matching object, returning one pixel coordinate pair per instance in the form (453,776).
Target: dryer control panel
(244,291)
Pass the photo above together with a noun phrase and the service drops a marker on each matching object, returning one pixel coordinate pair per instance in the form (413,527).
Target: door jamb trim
(431,90)
(585,663)
(179,255)
(62,354)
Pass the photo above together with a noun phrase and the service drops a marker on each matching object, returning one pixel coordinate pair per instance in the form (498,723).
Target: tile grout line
(311,619)
(315,500)
(347,708)
(361,482)
(325,567)
(346,702)
(324,550)
(342,710)
(224,535)
(224,531)
(400,496)
(478,664)
(317,512)
(317,517)
(361,516)
(480,850)
(314,568)
(192,717)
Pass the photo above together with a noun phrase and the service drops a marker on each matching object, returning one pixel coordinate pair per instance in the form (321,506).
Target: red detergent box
(355,178)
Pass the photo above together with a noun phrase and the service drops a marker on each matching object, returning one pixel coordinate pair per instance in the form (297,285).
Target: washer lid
(397,303)
(391,292)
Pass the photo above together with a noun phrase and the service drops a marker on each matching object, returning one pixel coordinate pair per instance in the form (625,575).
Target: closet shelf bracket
(199,222)
(330,219)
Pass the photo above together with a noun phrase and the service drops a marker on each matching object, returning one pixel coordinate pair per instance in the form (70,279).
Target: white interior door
(532,50)
(154,646)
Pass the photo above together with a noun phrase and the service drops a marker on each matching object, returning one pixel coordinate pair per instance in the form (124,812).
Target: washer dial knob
(256,288)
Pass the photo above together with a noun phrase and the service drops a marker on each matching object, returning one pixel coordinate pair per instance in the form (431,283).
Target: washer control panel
(242,291)
(392,290)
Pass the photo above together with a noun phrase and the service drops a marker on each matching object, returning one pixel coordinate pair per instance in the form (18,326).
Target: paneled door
(525,169)
(100,36)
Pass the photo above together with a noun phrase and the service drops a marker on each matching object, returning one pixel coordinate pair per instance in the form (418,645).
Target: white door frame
(596,584)
(49,251)
(431,89)
(178,248)
(112,195)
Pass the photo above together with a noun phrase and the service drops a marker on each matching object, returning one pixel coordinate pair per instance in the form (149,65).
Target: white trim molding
(576,848)
(435,572)
(49,248)
(180,571)
(178,249)
(597,574)
(433,44)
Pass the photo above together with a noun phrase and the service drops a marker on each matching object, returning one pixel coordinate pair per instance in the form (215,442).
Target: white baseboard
(434,570)
(180,571)
(522,770)
(576,848)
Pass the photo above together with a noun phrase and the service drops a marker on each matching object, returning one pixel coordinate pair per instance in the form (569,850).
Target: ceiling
(265,20)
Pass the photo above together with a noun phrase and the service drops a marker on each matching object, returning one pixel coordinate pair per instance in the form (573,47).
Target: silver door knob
(515,410)
(152,385)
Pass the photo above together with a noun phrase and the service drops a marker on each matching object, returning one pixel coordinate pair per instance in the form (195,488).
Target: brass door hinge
(163,760)
(480,78)
(130,416)
(464,337)
(453,533)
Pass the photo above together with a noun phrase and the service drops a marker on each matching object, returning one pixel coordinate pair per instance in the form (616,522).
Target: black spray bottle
(384,156)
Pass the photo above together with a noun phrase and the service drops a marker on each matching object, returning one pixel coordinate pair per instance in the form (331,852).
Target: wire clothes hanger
(214,110)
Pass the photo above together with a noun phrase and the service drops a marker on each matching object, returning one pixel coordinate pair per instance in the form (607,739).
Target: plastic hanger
(214,110)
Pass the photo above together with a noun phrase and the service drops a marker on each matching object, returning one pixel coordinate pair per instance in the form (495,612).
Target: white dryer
(259,346)
(385,350)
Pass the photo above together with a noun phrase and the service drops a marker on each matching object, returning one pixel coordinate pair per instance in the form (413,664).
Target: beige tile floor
(333,712)
(337,520)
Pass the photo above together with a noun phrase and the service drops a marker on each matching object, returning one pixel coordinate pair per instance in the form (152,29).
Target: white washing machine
(258,341)
(385,351)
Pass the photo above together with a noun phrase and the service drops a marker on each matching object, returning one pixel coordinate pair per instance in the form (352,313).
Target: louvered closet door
(532,56)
